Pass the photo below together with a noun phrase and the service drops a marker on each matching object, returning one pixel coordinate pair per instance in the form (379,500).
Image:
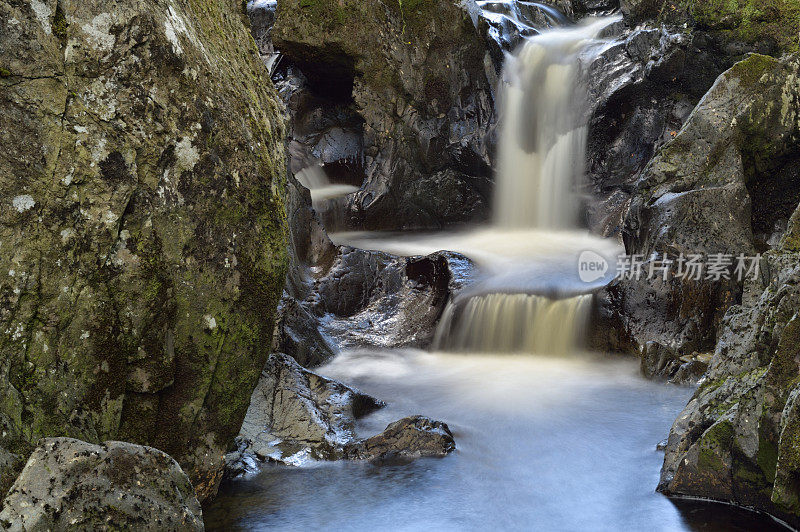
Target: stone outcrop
(737,438)
(416,75)
(68,484)
(297,416)
(770,25)
(723,185)
(142,224)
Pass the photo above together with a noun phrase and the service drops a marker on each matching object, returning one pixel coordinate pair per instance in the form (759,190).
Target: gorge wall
(142,225)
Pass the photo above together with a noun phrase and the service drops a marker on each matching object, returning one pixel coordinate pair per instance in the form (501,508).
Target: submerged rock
(407,438)
(142,224)
(70,484)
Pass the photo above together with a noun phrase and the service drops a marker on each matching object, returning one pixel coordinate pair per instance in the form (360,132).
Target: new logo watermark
(714,267)
(591,266)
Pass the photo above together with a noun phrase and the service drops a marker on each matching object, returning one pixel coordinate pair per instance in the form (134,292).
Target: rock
(681,316)
(10,467)
(661,362)
(70,484)
(262,17)
(142,225)
(410,437)
(370,298)
(694,195)
(509,22)
(310,253)
(644,84)
(417,76)
(737,438)
(771,26)
(704,193)
(296,415)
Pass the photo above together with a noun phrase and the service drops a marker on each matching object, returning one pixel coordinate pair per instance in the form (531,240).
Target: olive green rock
(738,438)
(769,24)
(142,224)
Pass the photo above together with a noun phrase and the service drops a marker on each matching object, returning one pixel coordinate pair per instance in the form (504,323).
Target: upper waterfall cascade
(542,147)
(542,156)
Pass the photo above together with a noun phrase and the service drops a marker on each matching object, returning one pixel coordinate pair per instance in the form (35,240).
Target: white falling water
(513,323)
(542,151)
(542,160)
(314,178)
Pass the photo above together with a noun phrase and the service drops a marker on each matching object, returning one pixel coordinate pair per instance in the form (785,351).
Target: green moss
(718,439)
(5,73)
(767,457)
(752,69)
(60,23)
(750,21)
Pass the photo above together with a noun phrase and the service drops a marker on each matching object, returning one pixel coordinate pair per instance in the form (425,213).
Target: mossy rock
(142,225)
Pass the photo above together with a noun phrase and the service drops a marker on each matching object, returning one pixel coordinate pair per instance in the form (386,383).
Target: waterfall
(542,149)
(314,178)
(542,156)
(513,323)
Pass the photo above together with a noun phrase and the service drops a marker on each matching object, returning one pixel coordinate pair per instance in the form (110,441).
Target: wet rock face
(338,296)
(737,438)
(415,73)
(69,484)
(694,194)
(372,298)
(142,224)
(694,197)
(772,25)
(296,416)
(645,85)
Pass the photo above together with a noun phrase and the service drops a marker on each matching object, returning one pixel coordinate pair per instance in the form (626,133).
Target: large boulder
(416,73)
(142,224)
(643,86)
(737,438)
(721,186)
(68,484)
(694,196)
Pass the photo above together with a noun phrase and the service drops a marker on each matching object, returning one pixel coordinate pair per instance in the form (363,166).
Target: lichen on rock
(141,190)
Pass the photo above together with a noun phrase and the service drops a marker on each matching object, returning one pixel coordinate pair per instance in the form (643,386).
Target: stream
(551,443)
(547,437)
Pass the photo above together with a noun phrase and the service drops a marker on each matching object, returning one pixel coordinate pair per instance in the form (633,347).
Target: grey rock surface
(68,484)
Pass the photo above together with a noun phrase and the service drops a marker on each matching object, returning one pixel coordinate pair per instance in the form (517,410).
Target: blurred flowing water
(543,443)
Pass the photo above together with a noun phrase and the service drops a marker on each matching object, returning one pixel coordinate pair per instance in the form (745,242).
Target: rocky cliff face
(142,224)
(771,25)
(416,75)
(737,439)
